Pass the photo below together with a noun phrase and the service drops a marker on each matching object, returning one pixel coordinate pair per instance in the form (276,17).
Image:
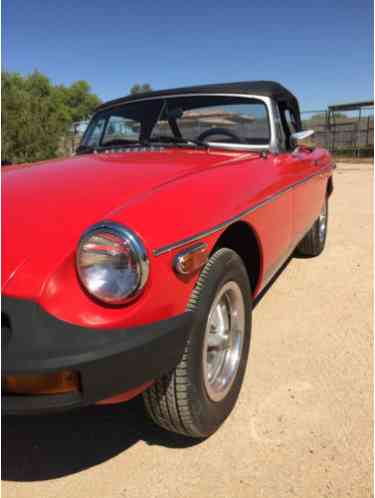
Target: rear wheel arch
(242,238)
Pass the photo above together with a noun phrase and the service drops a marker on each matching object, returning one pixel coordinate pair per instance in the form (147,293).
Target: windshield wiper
(86,149)
(118,142)
(180,141)
(164,141)
(196,143)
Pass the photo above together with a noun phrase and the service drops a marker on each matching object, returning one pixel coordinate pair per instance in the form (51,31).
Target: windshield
(189,120)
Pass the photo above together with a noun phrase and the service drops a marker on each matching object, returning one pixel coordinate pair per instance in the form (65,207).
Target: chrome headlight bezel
(138,251)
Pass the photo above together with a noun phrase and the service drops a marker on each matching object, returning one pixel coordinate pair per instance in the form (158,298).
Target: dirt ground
(303,423)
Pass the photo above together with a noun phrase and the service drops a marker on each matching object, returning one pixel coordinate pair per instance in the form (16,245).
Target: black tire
(179,401)
(313,242)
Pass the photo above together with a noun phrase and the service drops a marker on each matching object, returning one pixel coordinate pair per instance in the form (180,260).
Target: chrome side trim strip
(220,226)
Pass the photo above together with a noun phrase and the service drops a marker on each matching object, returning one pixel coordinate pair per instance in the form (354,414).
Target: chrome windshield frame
(273,145)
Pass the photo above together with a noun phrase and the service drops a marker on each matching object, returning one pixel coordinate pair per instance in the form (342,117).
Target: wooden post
(358,132)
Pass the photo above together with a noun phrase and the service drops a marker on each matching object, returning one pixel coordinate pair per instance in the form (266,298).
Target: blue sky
(322,50)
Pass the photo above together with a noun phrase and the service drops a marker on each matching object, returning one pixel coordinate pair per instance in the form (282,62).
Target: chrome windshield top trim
(206,233)
(244,96)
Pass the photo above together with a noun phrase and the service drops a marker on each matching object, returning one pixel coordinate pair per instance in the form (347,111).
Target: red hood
(46,206)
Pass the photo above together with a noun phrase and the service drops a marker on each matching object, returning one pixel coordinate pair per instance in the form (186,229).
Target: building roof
(351,106)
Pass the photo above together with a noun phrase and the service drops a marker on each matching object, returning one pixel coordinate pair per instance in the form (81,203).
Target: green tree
(37,115)
(79,100)
(137,88)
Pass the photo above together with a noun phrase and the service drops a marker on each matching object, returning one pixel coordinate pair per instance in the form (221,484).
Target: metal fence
(345,130)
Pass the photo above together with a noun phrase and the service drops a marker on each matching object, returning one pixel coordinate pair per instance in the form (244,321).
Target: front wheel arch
(242,239)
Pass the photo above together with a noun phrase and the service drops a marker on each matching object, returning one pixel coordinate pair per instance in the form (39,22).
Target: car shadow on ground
(38,448)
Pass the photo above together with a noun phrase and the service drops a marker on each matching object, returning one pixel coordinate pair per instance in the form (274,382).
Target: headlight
(112,263)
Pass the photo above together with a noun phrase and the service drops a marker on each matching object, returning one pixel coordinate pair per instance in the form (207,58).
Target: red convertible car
(132,267)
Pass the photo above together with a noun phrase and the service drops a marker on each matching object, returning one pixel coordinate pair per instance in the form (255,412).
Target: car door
(303,166)
(273,220)
(307,191)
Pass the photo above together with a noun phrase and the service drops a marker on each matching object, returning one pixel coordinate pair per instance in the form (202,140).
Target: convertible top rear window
(209,119)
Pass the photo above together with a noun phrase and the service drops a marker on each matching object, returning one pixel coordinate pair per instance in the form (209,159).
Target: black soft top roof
(262,88)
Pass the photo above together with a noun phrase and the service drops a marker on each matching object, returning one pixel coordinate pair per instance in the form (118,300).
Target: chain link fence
(343,132)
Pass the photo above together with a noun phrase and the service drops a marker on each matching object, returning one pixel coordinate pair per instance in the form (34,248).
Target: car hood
(46,206)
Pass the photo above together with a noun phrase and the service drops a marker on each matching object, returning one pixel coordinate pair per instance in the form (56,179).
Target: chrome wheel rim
(223,343)
(323,223)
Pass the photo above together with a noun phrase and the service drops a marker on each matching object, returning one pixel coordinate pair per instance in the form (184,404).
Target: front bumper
(109,362)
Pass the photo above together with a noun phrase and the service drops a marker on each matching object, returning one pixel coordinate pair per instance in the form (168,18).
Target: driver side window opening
(290,119)
(289,123)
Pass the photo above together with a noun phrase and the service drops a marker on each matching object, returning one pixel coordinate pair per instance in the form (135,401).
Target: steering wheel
(219,131)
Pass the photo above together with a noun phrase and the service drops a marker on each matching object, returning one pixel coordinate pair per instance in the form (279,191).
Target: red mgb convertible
(132,267)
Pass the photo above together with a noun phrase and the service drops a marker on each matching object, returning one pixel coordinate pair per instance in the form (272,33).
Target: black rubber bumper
(109,362)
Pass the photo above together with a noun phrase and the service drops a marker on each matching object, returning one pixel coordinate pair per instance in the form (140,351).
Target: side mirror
(299,138)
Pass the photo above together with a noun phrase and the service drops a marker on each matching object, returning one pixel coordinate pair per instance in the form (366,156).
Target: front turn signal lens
(54,383)
(191,260)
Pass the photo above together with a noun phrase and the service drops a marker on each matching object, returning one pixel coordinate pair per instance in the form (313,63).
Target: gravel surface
(303,423)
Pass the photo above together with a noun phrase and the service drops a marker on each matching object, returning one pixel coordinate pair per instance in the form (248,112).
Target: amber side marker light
(54,383)
(191,260)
